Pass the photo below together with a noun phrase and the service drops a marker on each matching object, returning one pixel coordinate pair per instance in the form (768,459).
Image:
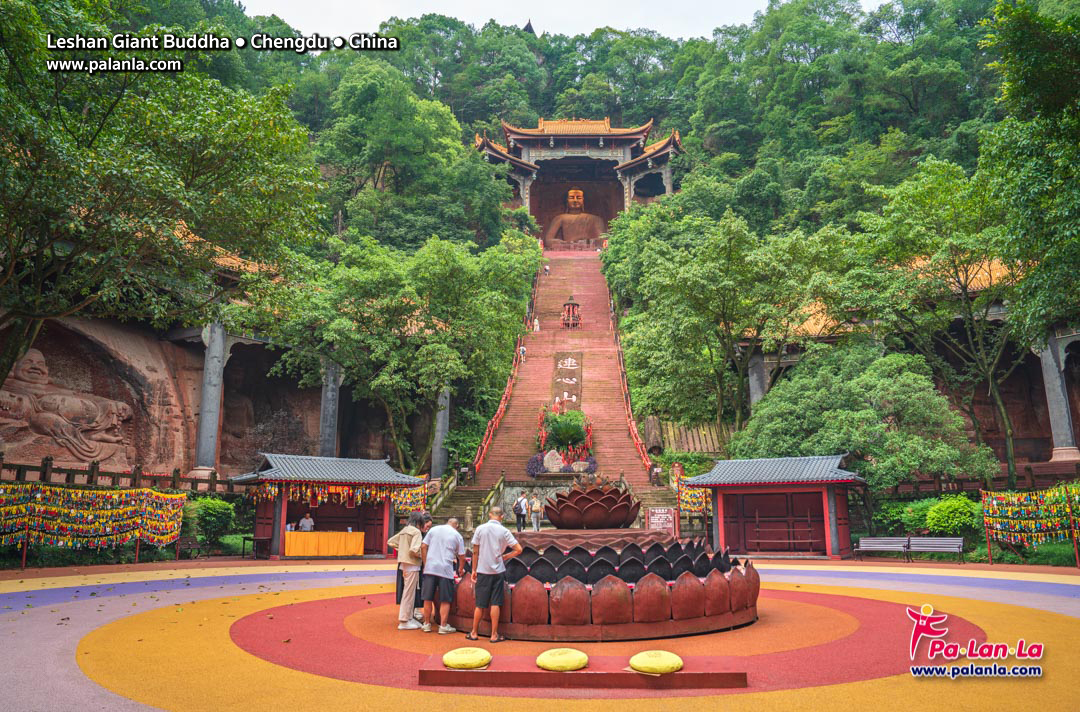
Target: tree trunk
(1006,422)
(17,341)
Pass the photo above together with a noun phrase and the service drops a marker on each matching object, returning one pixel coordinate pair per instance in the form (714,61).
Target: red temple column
(828,509)
(388,513)
(718,519)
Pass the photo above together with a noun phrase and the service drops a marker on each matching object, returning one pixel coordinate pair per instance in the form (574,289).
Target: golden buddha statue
(88,426)
(575,225)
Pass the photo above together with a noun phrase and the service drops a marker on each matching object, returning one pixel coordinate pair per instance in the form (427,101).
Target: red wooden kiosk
(786,506)
(351,501)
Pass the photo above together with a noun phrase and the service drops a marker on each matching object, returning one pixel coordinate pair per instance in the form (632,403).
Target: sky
(685,18)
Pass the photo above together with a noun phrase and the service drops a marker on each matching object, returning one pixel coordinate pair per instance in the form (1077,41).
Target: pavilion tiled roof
(577,127)
(775,470)
(328,470)
(672,142)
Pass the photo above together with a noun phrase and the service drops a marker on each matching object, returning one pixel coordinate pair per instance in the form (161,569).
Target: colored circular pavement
(324,637)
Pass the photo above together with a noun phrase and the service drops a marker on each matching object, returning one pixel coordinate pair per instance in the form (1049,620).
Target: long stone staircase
(574,274)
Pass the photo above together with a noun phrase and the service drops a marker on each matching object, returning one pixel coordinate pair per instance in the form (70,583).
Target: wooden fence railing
(94,476)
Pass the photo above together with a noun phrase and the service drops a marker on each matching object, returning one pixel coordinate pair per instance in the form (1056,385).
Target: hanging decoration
(414,497)
(1029,518)
(410,499)
(77,518)
(694,500)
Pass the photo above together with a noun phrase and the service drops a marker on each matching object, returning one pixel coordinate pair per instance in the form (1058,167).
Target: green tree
(933,273)
(881,409)
(402,327)
(1033,158)
(102,176)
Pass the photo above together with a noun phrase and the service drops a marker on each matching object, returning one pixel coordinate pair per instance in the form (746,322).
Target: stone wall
(122,395)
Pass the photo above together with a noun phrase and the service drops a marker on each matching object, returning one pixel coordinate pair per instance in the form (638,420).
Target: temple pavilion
(613,167)
(351,502)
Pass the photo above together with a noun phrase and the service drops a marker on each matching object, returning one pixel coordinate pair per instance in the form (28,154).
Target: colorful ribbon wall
(405,498)
(1031,518)
(54,515)
(694,500)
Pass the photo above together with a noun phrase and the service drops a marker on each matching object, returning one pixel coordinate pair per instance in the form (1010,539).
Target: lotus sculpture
(592,507)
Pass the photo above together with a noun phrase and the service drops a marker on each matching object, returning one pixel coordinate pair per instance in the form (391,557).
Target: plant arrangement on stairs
(564,444)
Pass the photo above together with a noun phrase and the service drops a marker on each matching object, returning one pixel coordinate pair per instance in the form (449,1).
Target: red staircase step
(577,274)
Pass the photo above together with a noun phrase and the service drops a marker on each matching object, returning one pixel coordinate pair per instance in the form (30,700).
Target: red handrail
(631,424)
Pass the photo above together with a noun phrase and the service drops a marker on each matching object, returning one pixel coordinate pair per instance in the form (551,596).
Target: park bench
(190,543)
(947,544)
(882,543)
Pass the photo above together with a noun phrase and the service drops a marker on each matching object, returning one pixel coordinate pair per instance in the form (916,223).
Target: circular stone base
(615,631)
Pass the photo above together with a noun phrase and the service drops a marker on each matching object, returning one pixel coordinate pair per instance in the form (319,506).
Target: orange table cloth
(324,543)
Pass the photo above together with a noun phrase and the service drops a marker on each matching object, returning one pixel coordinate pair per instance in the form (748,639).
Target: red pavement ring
(335,638)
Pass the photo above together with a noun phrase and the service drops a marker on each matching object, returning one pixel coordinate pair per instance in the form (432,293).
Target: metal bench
(947,544)
(190,544)
(883,543)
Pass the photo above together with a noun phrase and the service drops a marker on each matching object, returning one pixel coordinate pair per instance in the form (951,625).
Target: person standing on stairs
(547,270)
(521,509)
(536,508)
(536,323)
(522,352)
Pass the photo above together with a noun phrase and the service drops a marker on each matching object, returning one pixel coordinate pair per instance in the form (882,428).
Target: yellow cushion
(656,661)
(466,658)
(560,659)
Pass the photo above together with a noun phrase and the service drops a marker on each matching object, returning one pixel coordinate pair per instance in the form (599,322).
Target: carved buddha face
(575,201)
(31,368)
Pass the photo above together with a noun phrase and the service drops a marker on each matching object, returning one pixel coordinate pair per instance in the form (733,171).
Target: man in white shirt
(521,509)
(443,547)
(307,524)
(489,541)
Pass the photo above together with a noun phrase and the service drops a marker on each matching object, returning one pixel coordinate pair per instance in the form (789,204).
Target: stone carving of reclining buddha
(88,426)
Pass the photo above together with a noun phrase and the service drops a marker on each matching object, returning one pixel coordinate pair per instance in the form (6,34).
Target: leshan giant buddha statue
(575,225)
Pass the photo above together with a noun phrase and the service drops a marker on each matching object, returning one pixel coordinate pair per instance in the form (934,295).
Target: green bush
(954,515)
(565,430)
(889,518)
(215,519)
(913,517)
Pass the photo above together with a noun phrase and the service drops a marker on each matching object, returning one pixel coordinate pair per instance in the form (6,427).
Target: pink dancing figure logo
(925,620)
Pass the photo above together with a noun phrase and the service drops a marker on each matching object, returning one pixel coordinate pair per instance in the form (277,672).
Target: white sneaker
(444,629)
(426,627)
(409,625)
(419,615)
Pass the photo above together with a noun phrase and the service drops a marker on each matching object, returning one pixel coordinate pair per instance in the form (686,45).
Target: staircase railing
(495,493)
(493,424)
(631,424)
(446,488)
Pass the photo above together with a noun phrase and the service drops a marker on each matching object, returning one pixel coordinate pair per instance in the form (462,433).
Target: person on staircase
(521,510)
(536,324)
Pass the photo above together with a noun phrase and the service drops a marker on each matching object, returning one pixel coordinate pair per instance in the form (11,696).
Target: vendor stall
(324,507)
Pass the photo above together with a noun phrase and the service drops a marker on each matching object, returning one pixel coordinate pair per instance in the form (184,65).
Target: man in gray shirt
(489,542)
(443,547)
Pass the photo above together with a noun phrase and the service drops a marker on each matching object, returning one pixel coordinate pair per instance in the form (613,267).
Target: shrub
(914,515)
(565,430)
(889,518)
(954,515)
(535,466)
(215,519)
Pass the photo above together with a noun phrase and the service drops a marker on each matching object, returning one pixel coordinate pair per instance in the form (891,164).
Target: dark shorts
(489,590)
(430,584)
